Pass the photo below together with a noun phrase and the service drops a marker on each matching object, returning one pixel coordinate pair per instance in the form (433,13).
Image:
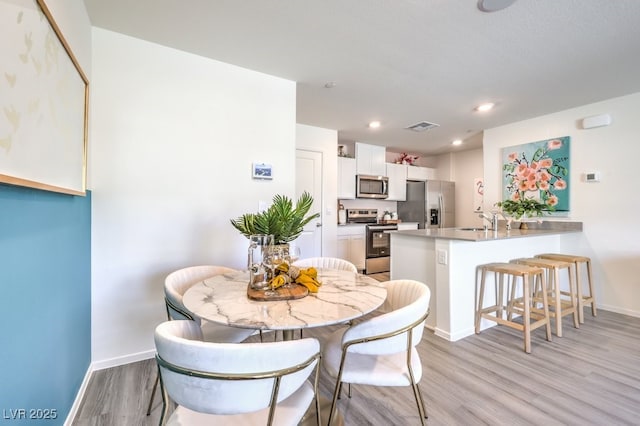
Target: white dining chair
(326,262)
(175,285)
(380,351)
(234,384)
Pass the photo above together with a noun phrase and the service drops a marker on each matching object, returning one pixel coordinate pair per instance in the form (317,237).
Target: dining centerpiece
(282,219)
(282,222)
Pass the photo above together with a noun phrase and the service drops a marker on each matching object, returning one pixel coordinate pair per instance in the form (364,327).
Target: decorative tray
(389,221)
(283,293)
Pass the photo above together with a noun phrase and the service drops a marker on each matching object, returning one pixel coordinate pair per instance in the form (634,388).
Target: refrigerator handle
(440,211)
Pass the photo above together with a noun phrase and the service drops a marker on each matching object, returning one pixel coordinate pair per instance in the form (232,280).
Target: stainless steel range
(378,257)
(378,241)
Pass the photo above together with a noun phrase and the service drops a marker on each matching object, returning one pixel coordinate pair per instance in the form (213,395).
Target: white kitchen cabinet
(346,178)
(397,174)
(370,159)
(352,244)
(420,173)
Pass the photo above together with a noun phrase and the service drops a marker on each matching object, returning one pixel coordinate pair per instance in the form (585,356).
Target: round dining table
(343,296)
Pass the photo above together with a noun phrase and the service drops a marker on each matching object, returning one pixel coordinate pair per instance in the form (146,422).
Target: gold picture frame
(43,102)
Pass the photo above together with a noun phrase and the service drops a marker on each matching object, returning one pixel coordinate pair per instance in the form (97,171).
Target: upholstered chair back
(407,302)
(178,343)
(327,262)
(178,282)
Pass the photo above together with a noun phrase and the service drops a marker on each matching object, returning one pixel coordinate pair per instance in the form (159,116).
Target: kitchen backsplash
(381,205)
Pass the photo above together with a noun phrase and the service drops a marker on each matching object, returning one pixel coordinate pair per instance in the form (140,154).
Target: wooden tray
(284,293)
(390,221)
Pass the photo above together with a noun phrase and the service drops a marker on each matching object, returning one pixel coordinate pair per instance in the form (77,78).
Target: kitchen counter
(446,260)
(481,235)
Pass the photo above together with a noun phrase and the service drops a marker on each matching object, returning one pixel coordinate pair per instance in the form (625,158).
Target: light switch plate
(442,256)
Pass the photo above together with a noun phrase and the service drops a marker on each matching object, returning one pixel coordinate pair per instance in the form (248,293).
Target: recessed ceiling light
(330,84)
(485,107)
(494,5)
(456,142)
(374,124)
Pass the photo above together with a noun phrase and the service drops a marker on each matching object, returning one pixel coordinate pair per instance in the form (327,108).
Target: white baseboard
(616,309)
(101,365)
(76,403)
(122,360)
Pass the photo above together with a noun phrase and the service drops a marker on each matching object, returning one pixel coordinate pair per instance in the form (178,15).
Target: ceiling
(406,61)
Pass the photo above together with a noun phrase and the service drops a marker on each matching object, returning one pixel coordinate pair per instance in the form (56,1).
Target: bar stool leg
(572,291)
(526,315)
(500,293)
(579,293)
(545,308)
(555,282)
(594,311)
(480,298)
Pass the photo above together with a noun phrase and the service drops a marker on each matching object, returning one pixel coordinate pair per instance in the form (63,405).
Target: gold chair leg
(153,393)
(422,412)
(336,393)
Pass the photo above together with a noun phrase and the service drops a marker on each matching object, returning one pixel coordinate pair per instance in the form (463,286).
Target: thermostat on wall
(592,177)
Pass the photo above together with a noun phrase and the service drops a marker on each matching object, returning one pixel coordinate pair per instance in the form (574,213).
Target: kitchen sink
(470,229)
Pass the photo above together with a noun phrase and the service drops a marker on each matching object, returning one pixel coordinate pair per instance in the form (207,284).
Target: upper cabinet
(346,178)
(397,174)
(420,173)
(370,159)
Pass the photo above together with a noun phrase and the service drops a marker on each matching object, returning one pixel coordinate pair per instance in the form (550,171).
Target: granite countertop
(461,234)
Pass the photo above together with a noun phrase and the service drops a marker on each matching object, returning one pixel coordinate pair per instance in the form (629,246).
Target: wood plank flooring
(591,376)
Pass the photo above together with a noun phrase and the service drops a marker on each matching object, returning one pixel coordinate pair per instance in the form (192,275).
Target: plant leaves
(282,220)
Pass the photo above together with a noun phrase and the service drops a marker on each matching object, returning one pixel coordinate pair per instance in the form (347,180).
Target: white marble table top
(343,296)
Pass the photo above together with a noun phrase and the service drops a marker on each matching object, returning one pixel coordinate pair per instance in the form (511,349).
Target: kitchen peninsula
(446,260)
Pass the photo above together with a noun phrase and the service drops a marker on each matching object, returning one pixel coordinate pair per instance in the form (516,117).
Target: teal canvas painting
(538,170)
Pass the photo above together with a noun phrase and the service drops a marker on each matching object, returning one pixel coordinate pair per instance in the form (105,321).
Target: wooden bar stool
(561,306)
(506,302)
(578,261)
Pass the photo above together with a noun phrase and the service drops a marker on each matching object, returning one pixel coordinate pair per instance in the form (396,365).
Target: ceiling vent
(422,126)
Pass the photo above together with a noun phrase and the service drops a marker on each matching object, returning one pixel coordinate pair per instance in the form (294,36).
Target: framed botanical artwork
(539,170)
(43,102)
(261,171)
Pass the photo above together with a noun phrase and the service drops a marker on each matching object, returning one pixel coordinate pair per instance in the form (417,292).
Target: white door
(309,178)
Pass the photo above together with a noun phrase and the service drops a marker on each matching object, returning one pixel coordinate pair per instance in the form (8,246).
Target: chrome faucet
(493,220)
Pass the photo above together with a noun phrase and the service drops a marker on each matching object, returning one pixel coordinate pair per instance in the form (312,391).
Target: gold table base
(309,418)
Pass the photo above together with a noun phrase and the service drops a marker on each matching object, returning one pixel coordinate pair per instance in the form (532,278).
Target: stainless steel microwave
(372,186)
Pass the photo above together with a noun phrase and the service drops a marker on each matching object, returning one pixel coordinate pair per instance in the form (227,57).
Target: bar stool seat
(578,262)
(561,306)
(507,303)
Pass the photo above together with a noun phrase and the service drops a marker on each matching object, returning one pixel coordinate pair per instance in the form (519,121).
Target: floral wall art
(538,170)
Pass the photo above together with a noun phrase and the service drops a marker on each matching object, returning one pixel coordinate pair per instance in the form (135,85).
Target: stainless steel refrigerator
(430,203)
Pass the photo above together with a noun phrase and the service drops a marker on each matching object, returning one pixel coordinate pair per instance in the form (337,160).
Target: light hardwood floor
(591,376)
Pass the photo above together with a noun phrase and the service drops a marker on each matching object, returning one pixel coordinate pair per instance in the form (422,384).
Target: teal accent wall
(45,294)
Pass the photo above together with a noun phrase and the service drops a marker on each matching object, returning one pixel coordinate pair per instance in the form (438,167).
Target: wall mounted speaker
(596,121)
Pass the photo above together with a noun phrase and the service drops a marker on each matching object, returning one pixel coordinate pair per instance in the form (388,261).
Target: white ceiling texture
(405,61)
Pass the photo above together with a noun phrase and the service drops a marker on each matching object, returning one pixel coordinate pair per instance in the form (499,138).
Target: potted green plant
(282,219)
(524,208)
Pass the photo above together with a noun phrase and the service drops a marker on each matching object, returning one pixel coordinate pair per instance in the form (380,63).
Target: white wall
(608,209)
(324,141)
(465,167)
(174,136)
